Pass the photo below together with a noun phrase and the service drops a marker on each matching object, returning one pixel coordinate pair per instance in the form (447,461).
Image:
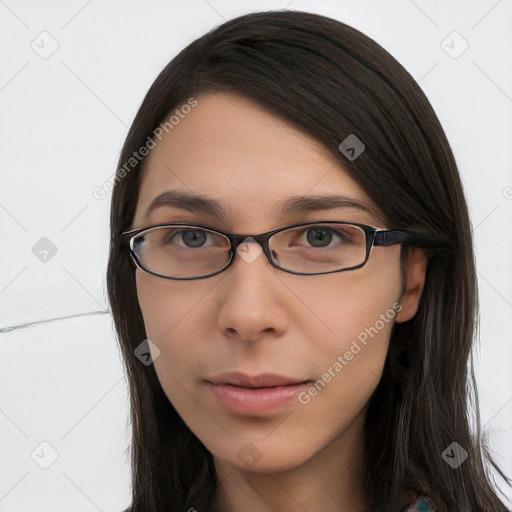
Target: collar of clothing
(420,504)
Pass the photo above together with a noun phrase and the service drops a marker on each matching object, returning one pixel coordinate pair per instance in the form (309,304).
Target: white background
(63,120)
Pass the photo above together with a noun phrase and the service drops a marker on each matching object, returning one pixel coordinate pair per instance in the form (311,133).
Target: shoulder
(420,504)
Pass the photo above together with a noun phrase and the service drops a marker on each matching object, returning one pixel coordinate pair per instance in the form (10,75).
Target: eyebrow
(295,204)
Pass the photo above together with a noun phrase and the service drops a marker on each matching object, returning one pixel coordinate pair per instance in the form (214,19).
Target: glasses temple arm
(387,237)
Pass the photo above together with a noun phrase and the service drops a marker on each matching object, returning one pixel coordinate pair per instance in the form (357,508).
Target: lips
(255,395)
(266,380)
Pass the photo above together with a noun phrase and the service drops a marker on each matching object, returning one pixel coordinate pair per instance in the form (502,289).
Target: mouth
(262,381)
(256,395)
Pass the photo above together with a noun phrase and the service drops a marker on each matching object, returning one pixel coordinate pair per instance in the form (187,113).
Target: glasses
(191,251)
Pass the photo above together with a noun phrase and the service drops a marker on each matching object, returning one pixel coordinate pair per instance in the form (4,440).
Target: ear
(415,271)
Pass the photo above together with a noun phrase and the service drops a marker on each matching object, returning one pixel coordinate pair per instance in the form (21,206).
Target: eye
(190,238)
(322,236)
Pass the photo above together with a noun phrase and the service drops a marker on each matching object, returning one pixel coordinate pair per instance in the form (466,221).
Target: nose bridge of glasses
(237,240)
(261,240)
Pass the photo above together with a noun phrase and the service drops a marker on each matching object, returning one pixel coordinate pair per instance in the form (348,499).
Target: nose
(253,301)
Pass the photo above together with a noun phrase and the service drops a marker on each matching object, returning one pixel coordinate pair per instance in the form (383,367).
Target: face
(331,329)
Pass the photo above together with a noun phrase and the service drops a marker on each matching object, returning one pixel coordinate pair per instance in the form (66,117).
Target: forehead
(229,148)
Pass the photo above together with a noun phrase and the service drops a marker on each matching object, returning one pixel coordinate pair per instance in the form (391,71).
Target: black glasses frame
(374,236)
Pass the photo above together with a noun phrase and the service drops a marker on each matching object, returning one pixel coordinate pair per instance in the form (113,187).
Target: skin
(257,319)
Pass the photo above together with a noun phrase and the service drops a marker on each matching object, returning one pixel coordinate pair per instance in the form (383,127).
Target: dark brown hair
(330,81)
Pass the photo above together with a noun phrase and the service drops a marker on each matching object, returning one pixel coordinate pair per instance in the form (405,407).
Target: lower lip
(258,400)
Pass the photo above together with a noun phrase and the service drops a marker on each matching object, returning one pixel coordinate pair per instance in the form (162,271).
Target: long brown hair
(330,81)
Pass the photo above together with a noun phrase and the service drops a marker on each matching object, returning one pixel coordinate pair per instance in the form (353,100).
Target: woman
(318,360)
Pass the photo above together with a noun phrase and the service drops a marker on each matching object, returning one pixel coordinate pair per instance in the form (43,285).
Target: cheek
(357,310)
(165,304)
(166,308)
(177,319)
(349,365)
(350,329)
(352,351)
(357,305)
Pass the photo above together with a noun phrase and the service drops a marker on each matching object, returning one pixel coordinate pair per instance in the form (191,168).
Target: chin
(254,457)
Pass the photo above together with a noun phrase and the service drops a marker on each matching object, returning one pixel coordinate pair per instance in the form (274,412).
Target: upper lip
(265,380)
